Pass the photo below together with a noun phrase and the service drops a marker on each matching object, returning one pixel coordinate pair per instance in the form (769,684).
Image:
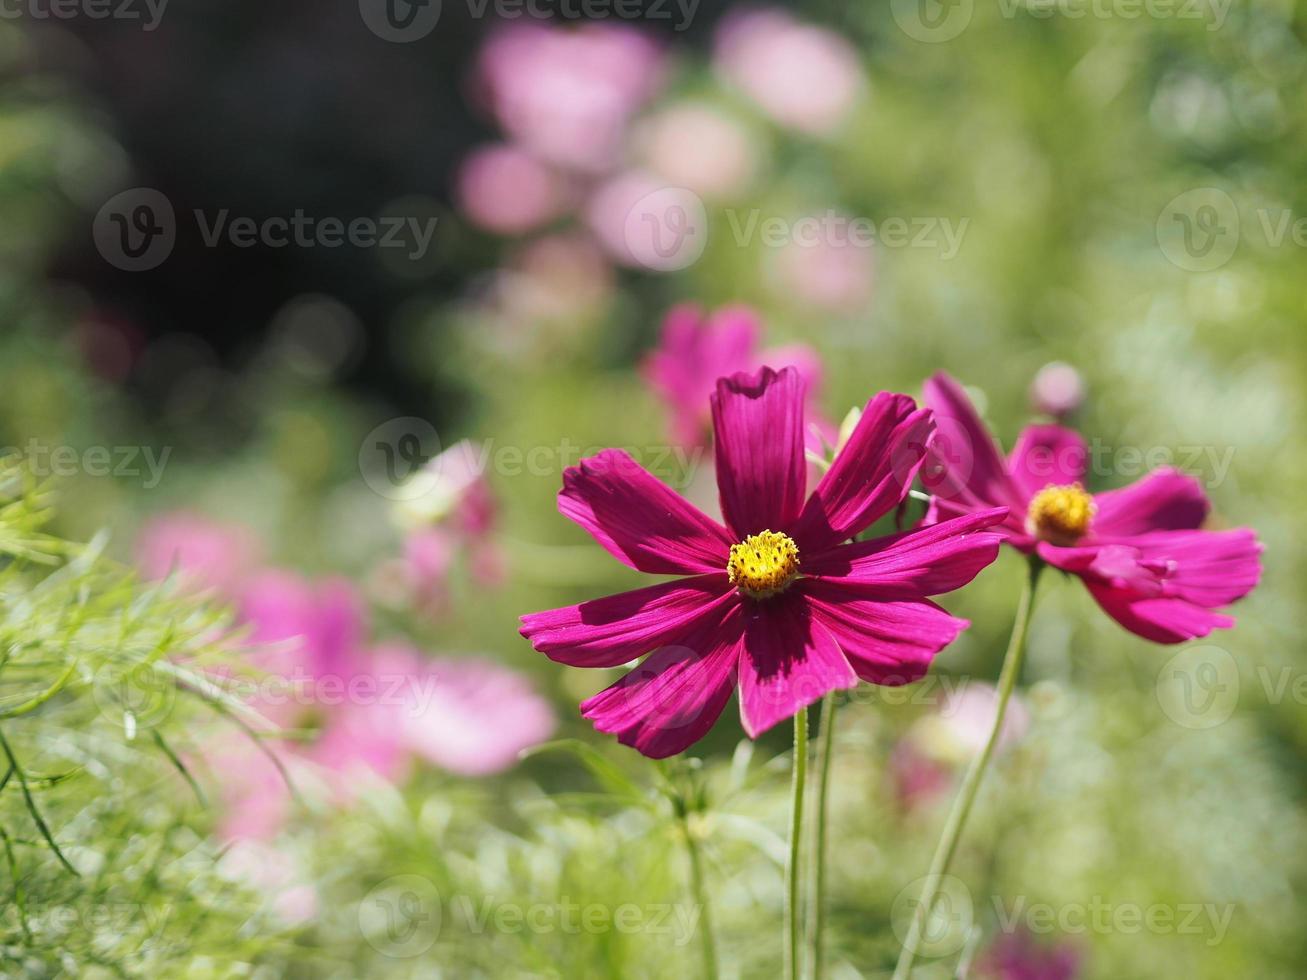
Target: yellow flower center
(1060,514)
(763,564)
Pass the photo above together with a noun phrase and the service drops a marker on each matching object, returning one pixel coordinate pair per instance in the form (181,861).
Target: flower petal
(965,466)
(761,471)
(925,561)
(670,701)
(1159,620)
(889,643)
(620,628)
(1047,454)
(639,519)
(1163,586)
(871,474)
(789,662)
(1164,500)
(695,350)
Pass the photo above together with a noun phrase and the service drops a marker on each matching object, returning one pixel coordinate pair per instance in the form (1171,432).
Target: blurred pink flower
(1019,956)
(567,93)
(968,716)
(471,717)
(276,875)
(923,762)
(1057,390)
(504,189)
(697,348)
(448,513)
(698,146)
(643,221)
(832,271)
(557,277)
(804,77)
(204,553)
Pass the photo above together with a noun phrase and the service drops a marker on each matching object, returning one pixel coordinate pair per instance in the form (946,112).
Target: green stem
(818,926)
(707,948)
(793,870)
(957,818)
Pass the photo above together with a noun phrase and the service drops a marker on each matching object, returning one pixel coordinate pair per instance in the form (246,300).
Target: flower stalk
(707,948)
(793,869)
(818,923)
(1013,660)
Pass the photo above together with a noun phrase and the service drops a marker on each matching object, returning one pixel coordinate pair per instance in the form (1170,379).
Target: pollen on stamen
(763,564)
(1061,514)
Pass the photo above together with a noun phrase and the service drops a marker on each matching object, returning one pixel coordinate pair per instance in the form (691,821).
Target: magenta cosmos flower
(697,348)
(776,602)
(1139,549)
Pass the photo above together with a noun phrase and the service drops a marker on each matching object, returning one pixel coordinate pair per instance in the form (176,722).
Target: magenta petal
(670,701)
(870,476)
(694,352)
(965,466)
(761,471)
(1047,454)
(639,519)
(1159,620)
(888,643)
(1163,586)
(620,628)
(789,662)
(1164,500)
(925,561)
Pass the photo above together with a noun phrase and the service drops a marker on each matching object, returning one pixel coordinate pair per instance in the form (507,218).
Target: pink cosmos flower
(504,189)
(776,602)
(1057,390)
(922,762)
(804,77)
(1139,549)
(567,94)
(698,348)
(468,715)
(1019,956)
(205,554)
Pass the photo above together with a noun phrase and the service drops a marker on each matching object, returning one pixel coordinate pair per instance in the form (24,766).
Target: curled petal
(761,471)
(871,474)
